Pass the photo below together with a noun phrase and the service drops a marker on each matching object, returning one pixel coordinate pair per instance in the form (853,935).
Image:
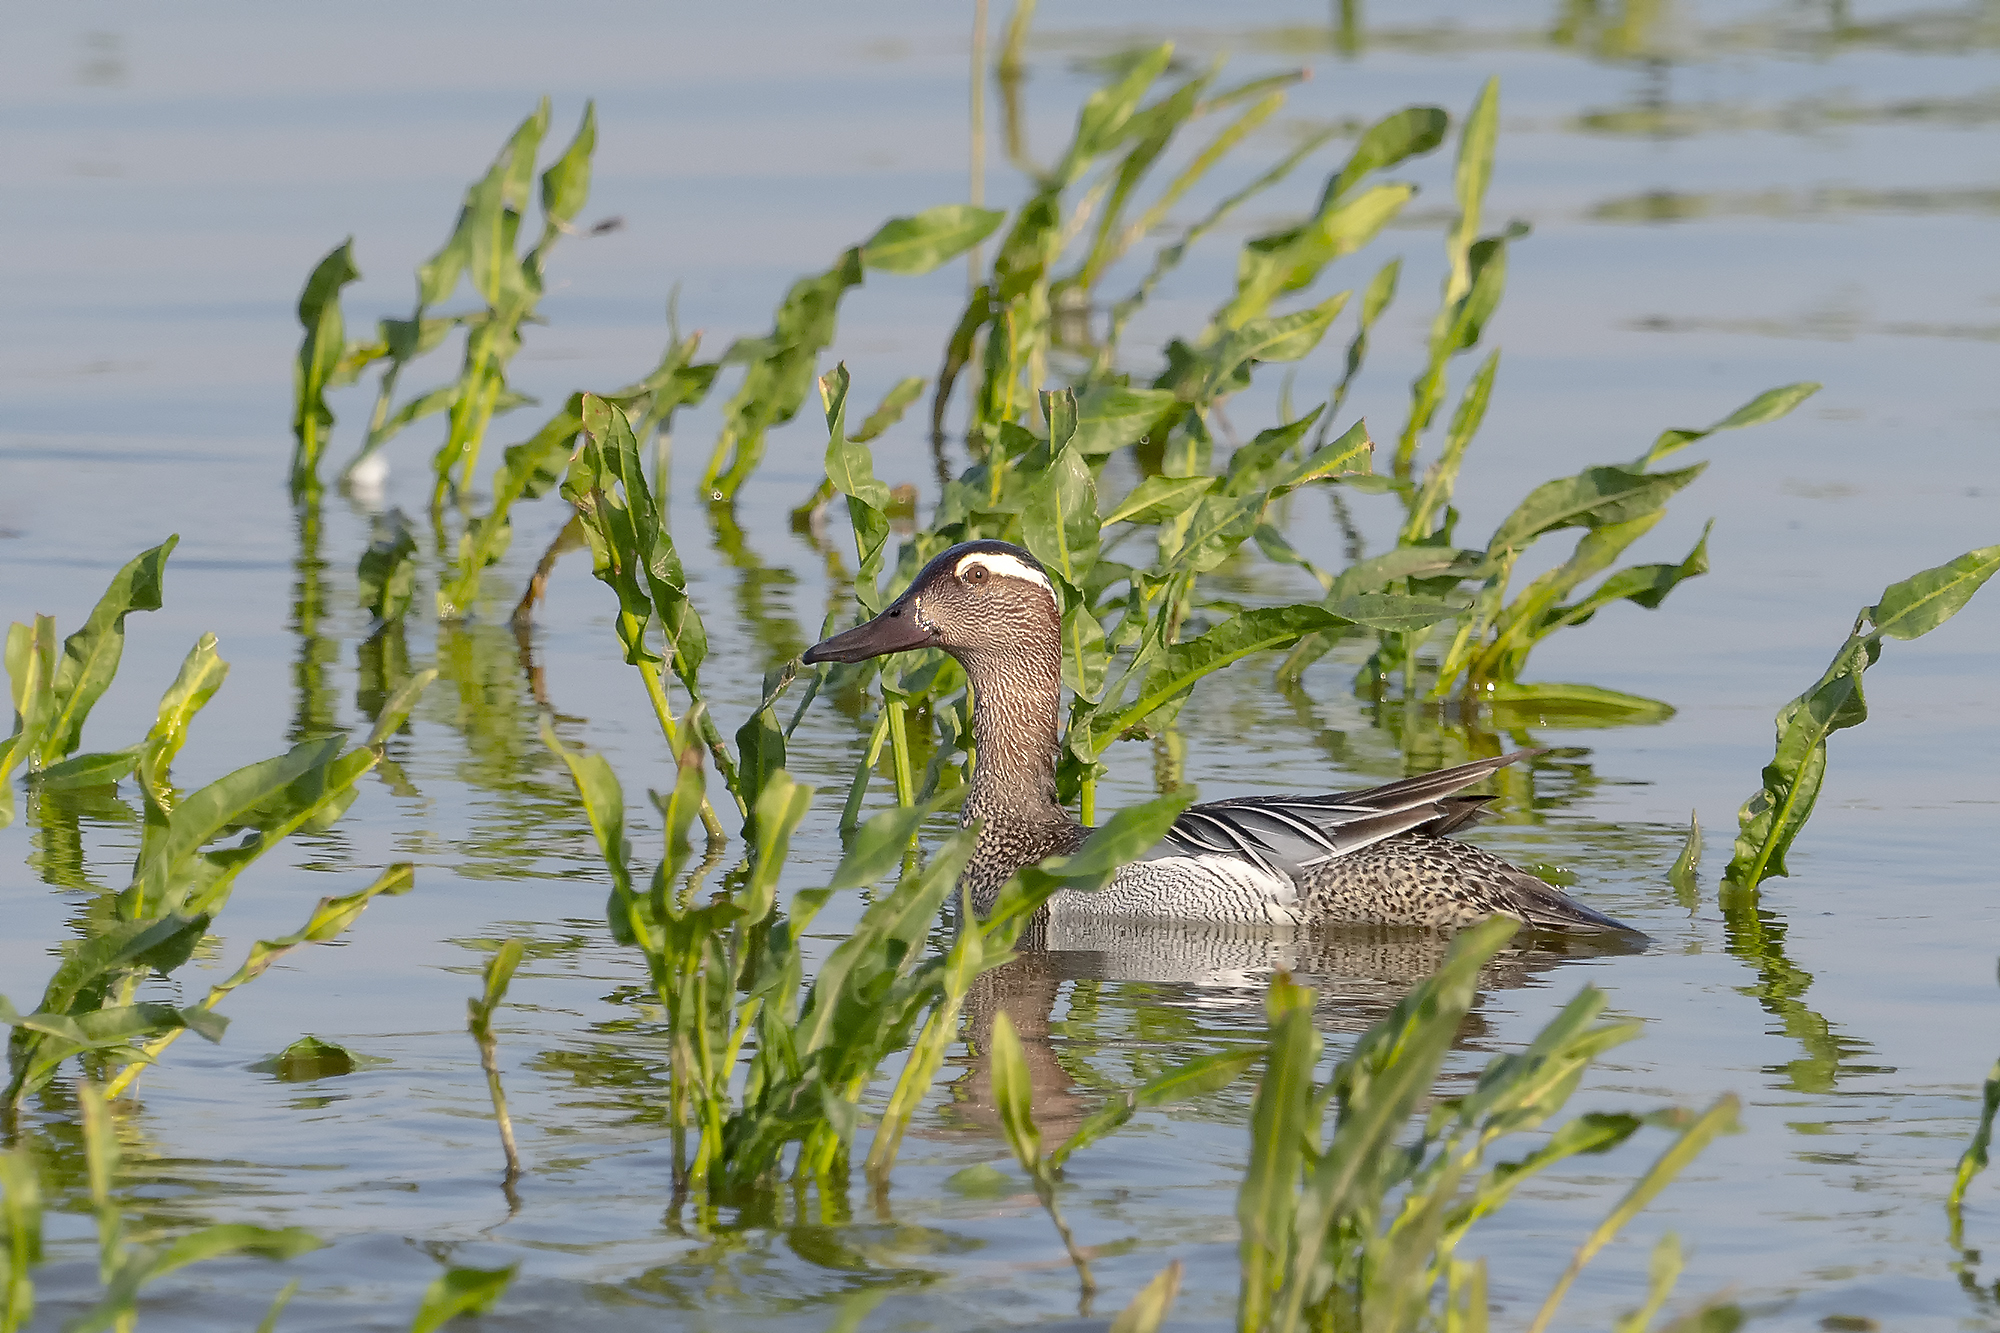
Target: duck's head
(977,597)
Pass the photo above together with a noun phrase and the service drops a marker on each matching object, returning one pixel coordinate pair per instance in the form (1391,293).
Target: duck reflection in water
(1210,973)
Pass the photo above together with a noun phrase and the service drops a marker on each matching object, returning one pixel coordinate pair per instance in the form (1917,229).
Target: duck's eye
(977,574)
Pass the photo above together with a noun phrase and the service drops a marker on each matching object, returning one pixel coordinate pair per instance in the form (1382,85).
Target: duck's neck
(1016,713)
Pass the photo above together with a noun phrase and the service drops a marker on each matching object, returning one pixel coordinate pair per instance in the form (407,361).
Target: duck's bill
(894,631)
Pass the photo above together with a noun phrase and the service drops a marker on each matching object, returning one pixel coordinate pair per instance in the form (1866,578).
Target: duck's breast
(1187,888)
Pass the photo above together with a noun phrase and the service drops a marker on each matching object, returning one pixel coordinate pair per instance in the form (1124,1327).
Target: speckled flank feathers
(1376,856)
(1417,880)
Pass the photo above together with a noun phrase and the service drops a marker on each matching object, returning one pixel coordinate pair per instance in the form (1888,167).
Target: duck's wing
(1288,835)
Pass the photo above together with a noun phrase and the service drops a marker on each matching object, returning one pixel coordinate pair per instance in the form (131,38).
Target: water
(1724,198)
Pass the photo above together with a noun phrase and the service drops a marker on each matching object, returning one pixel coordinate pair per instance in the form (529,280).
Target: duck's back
(1378,856)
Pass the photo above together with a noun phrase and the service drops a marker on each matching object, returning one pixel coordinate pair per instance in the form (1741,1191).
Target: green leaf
(1110,417)
(88,770)
(1553,704)
(781,805)
(631,550)
(1684,873)
(1347,459)
(1106,118)
(21,1227)
(1014,1094)
(933,237)
(1395,1063)
(461,1291)
(90,656)
(566,184)
(1196,1078)
(531,466)
(236,1238)
(493,208)
(135,1270)
(1475,159)
(1644,585)
(1595,497)
(1251,466)
(1403,562)
(272,798)
(604,806)
(1148,1310)
(851,468)
(319,355)
(1391,612)
(1059,523)
(780,374)
(1291,260)
(878,844)
(1183,664)
(1766,406)
(1282,1124)
(1211,533)
(760,748)
(1279,338)
(894,403)
(1772,818)
(1118,841)
(1396,137)
(1720,1118)
(1159,499)
(1921,603)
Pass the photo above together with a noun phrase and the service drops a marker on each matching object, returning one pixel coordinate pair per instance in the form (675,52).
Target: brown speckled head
(977,599)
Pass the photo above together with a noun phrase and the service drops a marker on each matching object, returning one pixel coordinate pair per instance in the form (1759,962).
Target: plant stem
(919,1072)
(1045,1190)
(899,744)
(656,690)
(489,1061)
(1089,808)
(850,815)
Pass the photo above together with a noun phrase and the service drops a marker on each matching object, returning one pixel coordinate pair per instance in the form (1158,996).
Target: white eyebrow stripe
(1013,567)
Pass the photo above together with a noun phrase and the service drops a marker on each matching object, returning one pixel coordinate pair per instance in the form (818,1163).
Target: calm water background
(1727,197)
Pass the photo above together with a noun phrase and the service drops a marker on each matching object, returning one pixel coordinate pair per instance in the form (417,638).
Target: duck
(1380,856)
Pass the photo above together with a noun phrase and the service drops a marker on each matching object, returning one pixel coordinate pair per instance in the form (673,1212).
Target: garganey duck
(1379,855)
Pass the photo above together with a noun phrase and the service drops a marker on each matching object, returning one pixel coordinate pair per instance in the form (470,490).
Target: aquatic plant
(53,695)
(1013,1096)
(729,966)
(1342,1226)
(125,1269)
(1974,1159)
(498,974)
(1771,819)
(177,888)
(1353,1230)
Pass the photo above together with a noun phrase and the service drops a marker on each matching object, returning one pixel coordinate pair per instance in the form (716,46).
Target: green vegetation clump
(1361,1184)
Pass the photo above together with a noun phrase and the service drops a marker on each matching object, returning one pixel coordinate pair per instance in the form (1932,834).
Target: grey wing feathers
(1290,834)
